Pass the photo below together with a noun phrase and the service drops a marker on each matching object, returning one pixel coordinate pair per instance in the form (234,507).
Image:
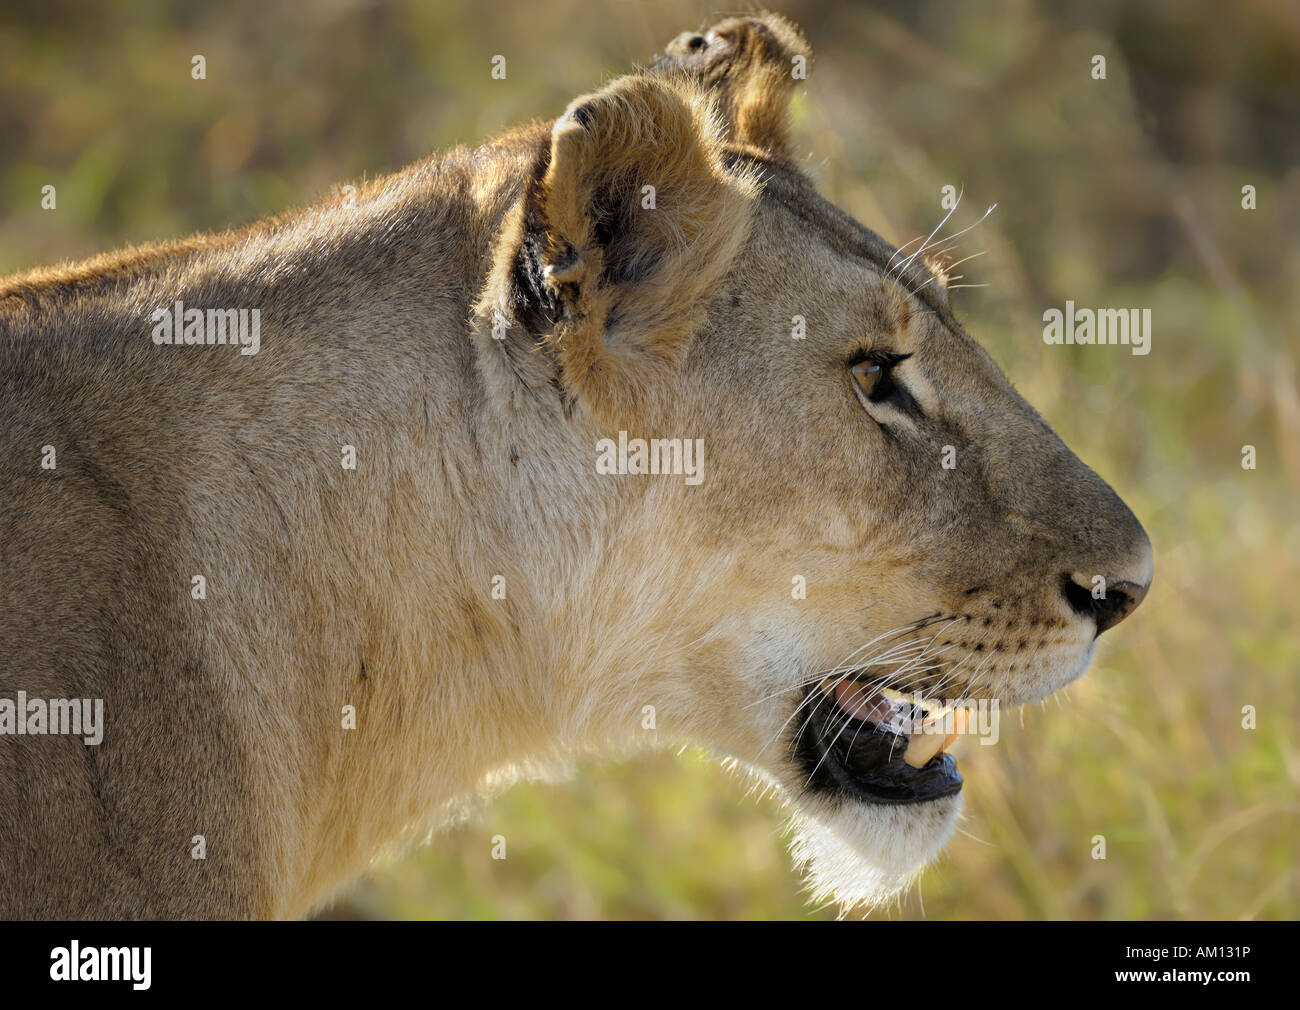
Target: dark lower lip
(847,756)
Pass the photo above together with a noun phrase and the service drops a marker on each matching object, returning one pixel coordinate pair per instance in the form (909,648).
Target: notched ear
(630,221)
(751,65)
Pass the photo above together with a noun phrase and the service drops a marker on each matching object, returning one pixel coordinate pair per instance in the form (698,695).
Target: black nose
(1118,600)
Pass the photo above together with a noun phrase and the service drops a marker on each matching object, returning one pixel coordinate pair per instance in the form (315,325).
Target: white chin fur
(861,855)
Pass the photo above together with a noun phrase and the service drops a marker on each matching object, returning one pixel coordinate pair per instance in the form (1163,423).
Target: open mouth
(878,747)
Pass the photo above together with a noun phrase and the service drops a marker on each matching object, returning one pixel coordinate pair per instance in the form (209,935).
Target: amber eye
(868,375)
(874,374)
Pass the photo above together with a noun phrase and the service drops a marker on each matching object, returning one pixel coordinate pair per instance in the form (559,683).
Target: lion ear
(630,223)
(751,65)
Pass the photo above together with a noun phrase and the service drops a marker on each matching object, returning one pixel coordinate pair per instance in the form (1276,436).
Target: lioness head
(783,477)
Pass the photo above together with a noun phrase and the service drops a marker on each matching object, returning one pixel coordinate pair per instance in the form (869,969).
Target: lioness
(403,541)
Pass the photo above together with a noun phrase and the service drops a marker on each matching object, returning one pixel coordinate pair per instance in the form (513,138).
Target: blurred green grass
(1123,192)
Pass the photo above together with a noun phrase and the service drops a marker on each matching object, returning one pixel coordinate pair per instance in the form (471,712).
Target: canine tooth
(924,745)
(921,747)
(958,727)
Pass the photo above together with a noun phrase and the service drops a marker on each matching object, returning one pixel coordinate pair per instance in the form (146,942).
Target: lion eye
(873,372)
(868,375)
(875,377)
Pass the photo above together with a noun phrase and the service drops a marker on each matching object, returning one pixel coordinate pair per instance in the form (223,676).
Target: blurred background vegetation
(1122,192)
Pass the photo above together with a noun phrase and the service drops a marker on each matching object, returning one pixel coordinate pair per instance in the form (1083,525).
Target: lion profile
(325,590)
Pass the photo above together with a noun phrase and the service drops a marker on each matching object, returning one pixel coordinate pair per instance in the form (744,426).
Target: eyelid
(879,355)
